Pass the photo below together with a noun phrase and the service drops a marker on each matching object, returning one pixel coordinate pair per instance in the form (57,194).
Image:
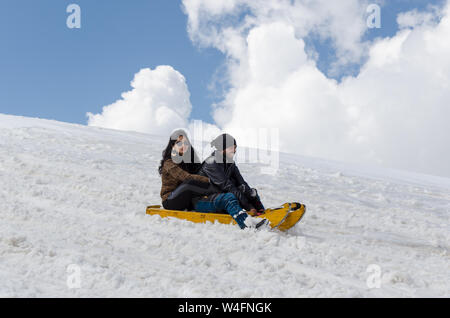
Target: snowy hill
(76,195)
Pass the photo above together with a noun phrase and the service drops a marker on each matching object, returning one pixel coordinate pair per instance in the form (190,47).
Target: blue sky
(50,71)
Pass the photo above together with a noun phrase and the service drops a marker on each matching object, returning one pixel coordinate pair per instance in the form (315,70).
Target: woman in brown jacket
(178,170)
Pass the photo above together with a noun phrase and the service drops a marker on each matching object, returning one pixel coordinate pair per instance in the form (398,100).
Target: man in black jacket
(224,175)
(228,191)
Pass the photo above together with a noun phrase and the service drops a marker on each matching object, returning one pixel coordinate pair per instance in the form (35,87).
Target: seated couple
(214,186)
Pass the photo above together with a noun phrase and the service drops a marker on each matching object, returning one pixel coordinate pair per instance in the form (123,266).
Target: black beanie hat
(223,141)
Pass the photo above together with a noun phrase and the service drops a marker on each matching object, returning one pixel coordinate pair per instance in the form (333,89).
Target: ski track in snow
(72,194)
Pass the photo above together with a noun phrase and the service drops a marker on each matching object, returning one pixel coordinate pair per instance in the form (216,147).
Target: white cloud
(224,24)
(158,102)
(395,112)
(403,99)
(414,18)
(285,90)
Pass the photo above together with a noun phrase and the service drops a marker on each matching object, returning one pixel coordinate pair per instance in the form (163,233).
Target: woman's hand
(255,212)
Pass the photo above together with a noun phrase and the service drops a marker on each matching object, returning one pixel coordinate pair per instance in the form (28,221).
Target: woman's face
(181,145)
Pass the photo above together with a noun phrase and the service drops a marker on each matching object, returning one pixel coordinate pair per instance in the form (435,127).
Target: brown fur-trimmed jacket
(173,175)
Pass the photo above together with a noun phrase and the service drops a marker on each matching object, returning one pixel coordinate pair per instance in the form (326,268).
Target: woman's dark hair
(189,162)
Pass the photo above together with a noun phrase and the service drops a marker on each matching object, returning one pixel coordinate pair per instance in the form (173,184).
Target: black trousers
(181,198)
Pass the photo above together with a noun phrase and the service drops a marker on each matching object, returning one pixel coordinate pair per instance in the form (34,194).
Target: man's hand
(259,206)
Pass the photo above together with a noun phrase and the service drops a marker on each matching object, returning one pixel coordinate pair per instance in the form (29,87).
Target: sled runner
(281,218)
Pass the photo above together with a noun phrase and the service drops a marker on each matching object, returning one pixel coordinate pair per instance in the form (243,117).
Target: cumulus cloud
(158,102)
(394,112)
(401,98)
(224,24)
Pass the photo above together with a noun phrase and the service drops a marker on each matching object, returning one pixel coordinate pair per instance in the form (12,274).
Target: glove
(251,192)
(256,201)
(259,206)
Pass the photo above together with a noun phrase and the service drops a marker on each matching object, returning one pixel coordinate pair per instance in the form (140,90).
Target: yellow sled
(281,218)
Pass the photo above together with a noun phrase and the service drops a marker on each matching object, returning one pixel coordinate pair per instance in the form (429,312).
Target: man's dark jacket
(225,177)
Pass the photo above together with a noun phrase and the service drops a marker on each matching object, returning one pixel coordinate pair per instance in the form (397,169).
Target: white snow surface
(72,194)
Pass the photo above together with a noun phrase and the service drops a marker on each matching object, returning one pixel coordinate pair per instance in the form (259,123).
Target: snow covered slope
(72,205)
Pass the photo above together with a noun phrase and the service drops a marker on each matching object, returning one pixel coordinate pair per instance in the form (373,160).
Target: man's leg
(223,202)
